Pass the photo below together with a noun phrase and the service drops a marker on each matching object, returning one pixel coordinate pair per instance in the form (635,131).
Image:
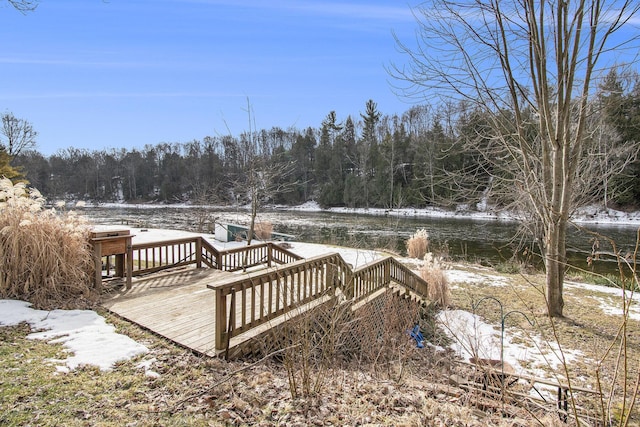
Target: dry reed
(418,244)
(263,230)
(44,255)
(432,272)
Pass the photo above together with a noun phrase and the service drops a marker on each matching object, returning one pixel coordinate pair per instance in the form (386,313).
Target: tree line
(419,158)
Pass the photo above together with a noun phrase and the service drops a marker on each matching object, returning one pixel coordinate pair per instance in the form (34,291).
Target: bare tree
(24,6)
(261,175)
(18,134)
(529,67)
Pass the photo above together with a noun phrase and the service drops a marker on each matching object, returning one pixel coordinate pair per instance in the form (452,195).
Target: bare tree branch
(526,71)
(18,134)
(24,6)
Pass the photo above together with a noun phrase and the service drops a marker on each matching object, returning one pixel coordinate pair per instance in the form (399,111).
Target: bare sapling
(315,343)
(623,383)
(383,334)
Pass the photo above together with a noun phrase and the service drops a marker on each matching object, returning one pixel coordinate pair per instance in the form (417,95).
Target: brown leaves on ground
(176,387)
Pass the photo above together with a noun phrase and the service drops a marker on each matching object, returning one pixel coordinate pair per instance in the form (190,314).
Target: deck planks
(178,306)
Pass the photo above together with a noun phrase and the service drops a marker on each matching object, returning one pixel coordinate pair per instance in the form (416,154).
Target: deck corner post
(97,260)
(349,284)
(221,320)
(199,252)
(129,262)
(387,272)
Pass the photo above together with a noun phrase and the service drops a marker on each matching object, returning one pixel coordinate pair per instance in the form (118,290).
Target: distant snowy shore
(587,215)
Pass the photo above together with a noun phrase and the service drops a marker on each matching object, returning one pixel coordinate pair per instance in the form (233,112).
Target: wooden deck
(177,306)
(219,310)
(182,308)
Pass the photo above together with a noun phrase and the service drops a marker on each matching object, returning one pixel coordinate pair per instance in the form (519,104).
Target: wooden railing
(247,302)
(250,301)
(156,256)
(246,257)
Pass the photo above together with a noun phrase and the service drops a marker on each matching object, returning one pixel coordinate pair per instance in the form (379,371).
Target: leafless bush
(332,335)
(45,256)
(263,230)
(621,390)
(383,333)
(418,244)
(314,343)
(432,272)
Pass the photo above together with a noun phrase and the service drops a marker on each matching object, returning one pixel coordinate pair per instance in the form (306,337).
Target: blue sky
(124,73)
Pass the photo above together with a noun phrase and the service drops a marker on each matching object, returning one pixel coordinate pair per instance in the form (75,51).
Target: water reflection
(486,242)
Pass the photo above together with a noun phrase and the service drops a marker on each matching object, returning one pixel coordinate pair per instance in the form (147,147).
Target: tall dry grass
(432,271)
(45,257)
(418,244)
(263,230)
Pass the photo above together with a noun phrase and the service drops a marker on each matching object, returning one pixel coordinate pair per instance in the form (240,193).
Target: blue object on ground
(417,335)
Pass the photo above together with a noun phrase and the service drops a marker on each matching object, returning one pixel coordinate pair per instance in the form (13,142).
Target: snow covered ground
(90,340)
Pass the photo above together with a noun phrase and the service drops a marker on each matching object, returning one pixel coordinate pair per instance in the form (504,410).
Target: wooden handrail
(273,292)
(156,256)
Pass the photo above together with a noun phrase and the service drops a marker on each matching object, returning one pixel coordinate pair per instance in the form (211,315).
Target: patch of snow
(461,276)
(85,334)
(309,206)
(146,365)
(527,353)
(610,300)
(599,215)
(354,257)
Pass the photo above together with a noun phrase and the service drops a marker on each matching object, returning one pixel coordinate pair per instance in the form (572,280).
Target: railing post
(221,319)
(199,252)
(269,254)
(219,261)
(349,282)
(387,272)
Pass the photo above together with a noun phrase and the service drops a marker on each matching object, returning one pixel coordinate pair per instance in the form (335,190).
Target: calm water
(487,242)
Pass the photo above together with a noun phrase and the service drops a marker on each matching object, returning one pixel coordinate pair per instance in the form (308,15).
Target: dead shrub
(263,230)
(44,256)
(418,244)
(383,333)
(314,345)
(432,272)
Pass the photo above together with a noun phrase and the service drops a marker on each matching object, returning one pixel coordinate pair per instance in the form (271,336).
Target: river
(487,242)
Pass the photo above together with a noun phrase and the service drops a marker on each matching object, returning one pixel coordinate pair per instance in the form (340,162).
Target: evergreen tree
(620,97)
(368,149)
(330,187)
(6,170)
(303,156)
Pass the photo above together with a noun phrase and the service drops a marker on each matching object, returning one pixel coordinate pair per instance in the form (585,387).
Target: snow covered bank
(586,215)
